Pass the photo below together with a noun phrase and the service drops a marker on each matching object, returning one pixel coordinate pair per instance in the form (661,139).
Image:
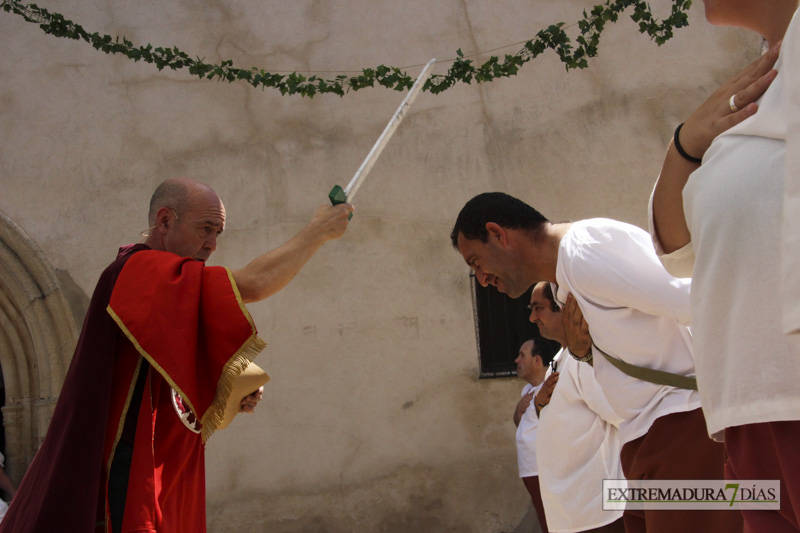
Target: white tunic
(578,446)
(748,371)
(526,437)
(635,311)
(528,429)
(790,230)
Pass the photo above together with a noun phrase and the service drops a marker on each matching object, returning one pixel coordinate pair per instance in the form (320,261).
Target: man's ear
(497,233)
(162,218)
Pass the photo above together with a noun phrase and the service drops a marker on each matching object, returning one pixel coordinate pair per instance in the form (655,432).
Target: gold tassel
(235,366)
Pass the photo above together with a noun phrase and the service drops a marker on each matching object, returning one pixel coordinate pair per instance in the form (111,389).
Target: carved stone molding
(37,337)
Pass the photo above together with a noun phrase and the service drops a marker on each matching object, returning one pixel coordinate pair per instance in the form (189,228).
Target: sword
(339,195)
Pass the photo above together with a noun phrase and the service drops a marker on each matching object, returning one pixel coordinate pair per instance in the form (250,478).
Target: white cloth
(526,437)
(734,208)
(635,311)
(790,273)
(579,446)
(528,428)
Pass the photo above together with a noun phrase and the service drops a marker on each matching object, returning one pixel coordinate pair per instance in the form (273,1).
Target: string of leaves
(573,55)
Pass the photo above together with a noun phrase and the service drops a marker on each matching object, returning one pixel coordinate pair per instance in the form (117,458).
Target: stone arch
(37,338)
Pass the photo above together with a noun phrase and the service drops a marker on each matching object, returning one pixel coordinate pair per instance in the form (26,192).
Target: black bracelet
(680,149)
(585,359)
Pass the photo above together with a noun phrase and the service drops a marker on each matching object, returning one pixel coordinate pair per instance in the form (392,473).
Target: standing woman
(722,213)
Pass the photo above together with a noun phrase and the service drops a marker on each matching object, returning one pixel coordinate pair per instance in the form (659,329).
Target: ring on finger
(732,104)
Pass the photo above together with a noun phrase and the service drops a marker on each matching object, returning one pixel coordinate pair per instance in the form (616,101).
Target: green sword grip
(337,197)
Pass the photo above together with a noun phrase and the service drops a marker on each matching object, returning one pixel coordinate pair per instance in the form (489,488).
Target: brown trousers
(617,526)
(677,446)
(770,450)
(532,484)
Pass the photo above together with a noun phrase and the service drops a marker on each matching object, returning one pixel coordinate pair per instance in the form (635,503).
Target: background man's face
(525,361)
(542,314)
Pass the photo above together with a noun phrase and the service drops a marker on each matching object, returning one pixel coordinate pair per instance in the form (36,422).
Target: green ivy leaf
(553,37)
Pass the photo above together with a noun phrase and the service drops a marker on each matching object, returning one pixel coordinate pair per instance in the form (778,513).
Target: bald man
(164,340)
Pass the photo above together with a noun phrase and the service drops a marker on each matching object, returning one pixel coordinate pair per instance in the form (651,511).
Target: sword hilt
(337,196)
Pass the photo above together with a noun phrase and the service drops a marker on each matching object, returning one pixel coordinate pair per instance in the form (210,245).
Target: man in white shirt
(637,314)
(532,364)
(580,420)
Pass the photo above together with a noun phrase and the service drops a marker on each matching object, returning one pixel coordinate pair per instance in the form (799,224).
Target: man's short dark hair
(544,348)
(497,207)
(547,291)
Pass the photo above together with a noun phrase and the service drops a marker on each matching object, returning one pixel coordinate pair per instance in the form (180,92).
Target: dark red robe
(188,322)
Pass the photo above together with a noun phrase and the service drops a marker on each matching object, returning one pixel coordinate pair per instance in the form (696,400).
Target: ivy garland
(554,37)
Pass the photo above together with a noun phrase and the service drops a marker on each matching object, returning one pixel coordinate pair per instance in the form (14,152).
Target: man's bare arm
(272,271)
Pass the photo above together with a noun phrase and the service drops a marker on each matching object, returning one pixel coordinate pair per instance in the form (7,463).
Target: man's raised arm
(268,273)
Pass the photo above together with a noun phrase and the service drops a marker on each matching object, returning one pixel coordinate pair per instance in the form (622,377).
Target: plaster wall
(375,419)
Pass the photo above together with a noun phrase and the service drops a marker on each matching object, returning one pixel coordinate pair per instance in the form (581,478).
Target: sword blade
(388,131)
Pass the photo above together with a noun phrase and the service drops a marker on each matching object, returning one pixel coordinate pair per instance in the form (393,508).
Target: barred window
(501,326)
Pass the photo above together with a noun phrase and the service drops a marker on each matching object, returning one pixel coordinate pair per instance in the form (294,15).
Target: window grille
(501,326)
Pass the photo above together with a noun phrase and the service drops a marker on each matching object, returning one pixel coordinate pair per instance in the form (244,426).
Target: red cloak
(188,322)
